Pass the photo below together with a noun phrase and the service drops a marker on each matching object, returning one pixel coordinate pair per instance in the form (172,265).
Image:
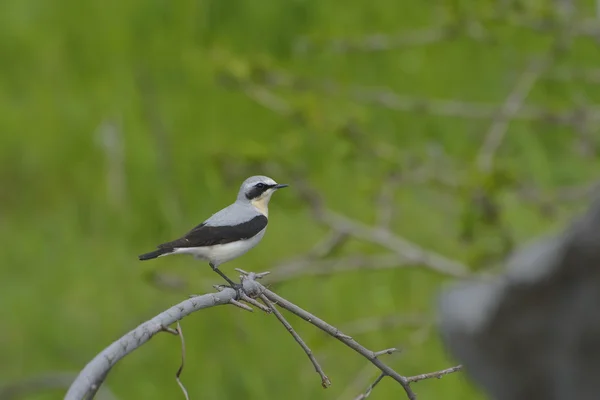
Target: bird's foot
(239,290)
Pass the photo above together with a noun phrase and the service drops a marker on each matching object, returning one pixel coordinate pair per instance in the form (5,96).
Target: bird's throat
(262,205)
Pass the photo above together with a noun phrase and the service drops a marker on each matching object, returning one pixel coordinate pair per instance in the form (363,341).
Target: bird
(229,233)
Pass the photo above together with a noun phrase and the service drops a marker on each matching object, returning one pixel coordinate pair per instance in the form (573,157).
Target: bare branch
(404,248)
(561,195)
(383,42)
(347,340)
(241,305)
(255,303)
(355,385)
(325,382)
(91,377)
(367,393)
(471,29)
(268,99)
(437,374)
(472,110)
(511,106)
(387,98)
(386,351)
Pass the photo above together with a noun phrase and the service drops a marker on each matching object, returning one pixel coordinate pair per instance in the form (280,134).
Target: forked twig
(325,382)
(367,392)
(180,370)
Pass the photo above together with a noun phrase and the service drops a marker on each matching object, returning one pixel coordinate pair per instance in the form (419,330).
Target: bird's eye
(260,185)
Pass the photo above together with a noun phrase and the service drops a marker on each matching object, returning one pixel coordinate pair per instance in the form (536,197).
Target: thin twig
(511,106)
(268,99)
(169,330)
(180,370)
(255,303)
(437,374)
(233,302)
(325,382)
(386,351)
(241,305)
(355,385)
(367,392)
(347,340)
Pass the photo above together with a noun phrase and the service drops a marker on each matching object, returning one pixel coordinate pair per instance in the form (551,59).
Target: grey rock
(534,332)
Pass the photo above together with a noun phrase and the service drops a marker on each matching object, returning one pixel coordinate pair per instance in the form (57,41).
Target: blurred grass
(70,282)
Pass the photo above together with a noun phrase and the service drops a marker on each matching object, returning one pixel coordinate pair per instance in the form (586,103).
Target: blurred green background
(123,123)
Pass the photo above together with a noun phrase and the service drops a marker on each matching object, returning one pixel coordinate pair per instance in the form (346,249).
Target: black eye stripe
(257,190)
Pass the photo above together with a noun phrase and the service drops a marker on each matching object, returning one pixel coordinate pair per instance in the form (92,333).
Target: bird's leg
(236,286)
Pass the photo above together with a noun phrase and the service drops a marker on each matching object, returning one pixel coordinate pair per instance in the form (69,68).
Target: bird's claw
(239,290)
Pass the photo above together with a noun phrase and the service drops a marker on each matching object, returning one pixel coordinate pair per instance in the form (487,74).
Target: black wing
(205,235)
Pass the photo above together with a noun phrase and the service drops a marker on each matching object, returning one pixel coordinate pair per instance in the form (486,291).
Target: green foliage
(178,82)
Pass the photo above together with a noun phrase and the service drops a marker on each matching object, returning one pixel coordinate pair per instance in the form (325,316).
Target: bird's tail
(154,254)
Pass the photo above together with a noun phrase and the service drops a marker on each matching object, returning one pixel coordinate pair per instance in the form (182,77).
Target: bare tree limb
(404,248)
(91,377)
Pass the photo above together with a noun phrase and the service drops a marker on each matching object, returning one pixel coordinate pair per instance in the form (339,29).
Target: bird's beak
(281,185)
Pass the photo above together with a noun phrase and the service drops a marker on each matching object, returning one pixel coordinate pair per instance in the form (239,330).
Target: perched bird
(230,232)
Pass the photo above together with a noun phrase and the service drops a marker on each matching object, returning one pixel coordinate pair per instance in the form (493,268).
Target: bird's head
(258,190)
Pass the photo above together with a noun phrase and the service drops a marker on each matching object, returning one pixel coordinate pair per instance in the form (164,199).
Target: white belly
(221,253)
